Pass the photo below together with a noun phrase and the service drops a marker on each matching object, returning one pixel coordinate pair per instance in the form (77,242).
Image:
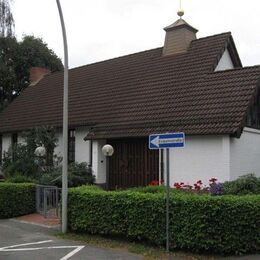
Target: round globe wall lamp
(108,150)
(40,151)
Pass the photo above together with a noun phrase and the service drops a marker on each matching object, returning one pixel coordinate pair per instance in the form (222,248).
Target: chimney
(178,36)
(36,74)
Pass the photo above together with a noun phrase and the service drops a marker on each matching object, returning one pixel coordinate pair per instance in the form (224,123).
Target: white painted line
(38,248)
(14,248)
(69,255)
(27,244)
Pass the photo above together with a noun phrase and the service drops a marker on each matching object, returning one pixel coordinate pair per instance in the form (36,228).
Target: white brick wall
(245,153)
(202,158)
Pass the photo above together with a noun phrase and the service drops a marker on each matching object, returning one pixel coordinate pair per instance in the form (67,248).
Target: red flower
(213,179)
(199,182)
(154,183)
(177,185)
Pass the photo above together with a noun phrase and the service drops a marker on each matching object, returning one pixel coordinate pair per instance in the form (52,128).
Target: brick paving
(40,220)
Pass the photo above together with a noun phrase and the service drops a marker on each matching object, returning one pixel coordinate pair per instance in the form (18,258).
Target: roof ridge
(214,35)
(140,52)
(118,57)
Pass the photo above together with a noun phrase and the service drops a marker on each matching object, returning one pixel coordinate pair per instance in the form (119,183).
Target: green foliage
(19,161)
(78,174)
(34,52)
(42,136)
(16,58)
(247,184)
(20,179)
(16,199)
(215,224)
(8,78)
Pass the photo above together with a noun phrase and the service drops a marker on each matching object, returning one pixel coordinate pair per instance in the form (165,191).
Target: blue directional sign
(161,141)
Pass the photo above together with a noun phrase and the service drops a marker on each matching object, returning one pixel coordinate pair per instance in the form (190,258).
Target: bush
(215,224)
(20,179)
(19,161)
(16,199)
(247,184)
(78,174)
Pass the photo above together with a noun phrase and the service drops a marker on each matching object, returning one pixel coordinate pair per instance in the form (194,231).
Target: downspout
(90,153)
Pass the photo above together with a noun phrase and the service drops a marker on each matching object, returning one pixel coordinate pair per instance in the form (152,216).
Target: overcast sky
(102,29)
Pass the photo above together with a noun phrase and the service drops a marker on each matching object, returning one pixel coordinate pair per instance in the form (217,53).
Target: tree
(16,58)
(6,19)
(33,52)
(8,79)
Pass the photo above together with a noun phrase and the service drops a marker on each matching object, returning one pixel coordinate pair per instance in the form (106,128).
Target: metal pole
(167,198)
(160,167)
(65,126)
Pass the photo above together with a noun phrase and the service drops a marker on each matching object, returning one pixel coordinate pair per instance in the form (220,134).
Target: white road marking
(69,255)
(14,248)
(27,244)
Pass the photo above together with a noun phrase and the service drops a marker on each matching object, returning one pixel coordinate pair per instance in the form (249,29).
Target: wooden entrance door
(132,164)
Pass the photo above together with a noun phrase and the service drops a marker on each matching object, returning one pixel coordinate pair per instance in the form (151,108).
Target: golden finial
(180,11)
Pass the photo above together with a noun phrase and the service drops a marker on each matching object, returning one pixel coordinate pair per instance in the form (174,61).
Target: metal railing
(47,200)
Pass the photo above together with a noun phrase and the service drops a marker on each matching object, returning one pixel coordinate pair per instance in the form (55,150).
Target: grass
(148,252)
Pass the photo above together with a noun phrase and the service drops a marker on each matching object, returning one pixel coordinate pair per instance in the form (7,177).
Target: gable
(225,62)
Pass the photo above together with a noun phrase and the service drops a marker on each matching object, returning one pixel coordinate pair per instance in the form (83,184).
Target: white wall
(202,158)
(99,161)
(225,62)
(59,147)
(245,153)
(82,148)
(6,143)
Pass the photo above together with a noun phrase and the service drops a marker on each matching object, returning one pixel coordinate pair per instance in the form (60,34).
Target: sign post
(167,141)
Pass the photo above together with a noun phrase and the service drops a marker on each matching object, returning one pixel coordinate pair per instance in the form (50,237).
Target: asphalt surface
(20,241)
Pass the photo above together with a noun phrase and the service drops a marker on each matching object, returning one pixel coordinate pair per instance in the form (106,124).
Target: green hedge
(16,199)
(221,224)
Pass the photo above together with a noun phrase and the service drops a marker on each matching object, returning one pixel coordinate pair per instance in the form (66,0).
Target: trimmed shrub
(16,199)
(246,184)
(20,179)
(215,224)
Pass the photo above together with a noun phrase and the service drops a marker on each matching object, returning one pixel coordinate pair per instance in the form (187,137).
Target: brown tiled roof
(144,93)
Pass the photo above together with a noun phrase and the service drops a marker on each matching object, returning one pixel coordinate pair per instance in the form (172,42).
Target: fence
(47,200)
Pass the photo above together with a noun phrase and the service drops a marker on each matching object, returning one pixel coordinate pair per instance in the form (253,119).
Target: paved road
(19,241)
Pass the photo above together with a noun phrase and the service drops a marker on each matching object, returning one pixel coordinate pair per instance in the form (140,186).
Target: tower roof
(180,23)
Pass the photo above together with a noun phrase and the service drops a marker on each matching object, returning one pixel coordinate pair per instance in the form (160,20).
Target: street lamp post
(65,126)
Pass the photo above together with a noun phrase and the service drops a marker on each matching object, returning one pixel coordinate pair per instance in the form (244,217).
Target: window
(71,144)
(14,139)
(1,148)
(253,117)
